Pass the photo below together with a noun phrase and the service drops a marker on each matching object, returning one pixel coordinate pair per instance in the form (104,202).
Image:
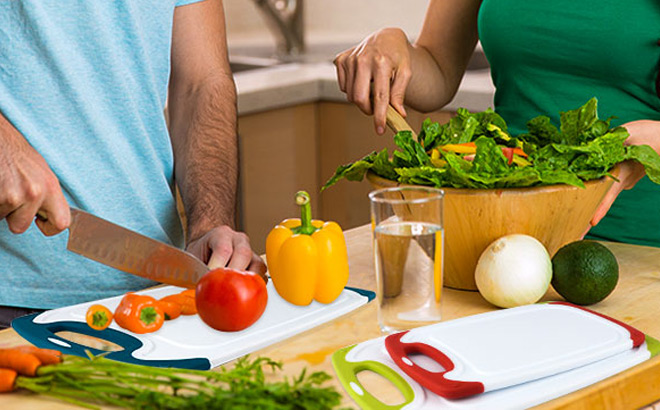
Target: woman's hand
(642,132)
(384,59)
(387,67)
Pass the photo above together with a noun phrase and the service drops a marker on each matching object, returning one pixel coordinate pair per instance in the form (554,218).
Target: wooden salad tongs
(397,123)
(394,249)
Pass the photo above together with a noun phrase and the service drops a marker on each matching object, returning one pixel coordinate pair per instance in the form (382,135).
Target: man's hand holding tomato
(223,247)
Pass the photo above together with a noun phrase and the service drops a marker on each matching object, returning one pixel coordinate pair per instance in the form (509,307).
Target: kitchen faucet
(285,20)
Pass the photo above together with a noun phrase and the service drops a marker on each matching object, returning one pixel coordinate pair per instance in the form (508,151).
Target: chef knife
(112,245)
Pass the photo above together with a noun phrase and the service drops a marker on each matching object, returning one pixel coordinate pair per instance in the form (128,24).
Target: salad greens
(475,150)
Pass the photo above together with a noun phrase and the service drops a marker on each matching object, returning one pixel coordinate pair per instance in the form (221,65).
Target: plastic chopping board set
(506,359)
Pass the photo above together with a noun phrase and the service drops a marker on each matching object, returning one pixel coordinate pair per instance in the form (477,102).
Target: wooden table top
(635,301)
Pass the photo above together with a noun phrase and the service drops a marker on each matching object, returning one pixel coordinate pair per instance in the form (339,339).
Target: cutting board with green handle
(372,356)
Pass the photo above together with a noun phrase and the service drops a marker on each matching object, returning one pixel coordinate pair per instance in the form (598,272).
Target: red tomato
(230,300)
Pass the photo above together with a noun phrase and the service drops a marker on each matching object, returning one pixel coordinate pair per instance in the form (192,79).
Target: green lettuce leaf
(412,153)
(582,148)
(646,156)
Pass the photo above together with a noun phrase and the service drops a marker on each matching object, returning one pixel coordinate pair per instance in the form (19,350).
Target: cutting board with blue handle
(185,342)
(372,356)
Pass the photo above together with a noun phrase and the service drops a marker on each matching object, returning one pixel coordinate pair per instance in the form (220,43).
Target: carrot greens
(97,381)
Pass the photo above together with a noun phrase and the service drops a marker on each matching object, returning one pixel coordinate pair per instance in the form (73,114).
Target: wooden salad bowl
(473,218)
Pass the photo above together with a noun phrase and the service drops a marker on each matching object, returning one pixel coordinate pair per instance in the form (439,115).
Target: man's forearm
(203,132)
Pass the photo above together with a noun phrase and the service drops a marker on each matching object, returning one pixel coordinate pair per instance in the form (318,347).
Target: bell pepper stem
(148,315)
(303,201)
(100,319)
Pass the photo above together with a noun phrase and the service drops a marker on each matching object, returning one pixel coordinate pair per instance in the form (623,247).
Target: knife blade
(115,246)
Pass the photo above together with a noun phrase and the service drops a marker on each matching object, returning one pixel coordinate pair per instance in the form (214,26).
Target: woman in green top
(546,57)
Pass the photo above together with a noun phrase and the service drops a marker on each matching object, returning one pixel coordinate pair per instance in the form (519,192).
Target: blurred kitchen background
(337,21)
(295,125)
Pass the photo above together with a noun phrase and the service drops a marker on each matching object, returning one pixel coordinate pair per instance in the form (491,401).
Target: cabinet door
(346,135)
(278,151)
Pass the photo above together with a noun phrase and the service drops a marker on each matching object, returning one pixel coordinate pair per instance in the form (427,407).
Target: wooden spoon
(397,123)
(394,249)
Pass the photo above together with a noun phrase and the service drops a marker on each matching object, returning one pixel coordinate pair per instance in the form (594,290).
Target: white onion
(514,270)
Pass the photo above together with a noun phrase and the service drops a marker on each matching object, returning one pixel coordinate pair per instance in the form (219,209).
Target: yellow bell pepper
(307,259)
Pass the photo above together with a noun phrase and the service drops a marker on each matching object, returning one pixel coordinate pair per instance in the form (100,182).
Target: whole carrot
(45,356)
(7,380)
(24,363)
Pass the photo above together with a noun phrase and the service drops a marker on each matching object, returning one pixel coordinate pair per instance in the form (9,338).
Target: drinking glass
(408,251)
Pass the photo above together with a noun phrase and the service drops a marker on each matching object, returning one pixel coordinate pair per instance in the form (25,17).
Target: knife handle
(43,216)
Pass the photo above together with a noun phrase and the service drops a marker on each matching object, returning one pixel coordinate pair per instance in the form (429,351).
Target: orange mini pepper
(186,302)
(98,317)
(307,259)
(188,292)
(170,309)
(139,313)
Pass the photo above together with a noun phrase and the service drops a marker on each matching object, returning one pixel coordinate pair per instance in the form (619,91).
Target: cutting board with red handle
(505,348)
(372,356)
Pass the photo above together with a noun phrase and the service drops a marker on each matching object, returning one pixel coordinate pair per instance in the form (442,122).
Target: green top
(554,55)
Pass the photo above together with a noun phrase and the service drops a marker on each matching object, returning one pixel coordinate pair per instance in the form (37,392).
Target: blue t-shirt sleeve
(184,2)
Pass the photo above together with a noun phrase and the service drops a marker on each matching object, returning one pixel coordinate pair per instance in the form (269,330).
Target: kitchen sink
(314,53)
(246,58)
(247,63)
(240,67)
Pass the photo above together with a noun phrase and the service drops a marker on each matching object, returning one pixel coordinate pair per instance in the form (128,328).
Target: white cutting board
(372,356)
(186,342)
(503,348)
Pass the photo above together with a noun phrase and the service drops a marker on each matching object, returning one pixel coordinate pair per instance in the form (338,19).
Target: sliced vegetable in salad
(475,150)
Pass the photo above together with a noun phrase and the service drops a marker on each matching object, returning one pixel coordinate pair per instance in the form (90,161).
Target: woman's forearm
(442,52)
(429,88)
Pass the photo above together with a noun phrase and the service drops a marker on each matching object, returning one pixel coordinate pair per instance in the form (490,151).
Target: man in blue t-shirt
(83,89)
